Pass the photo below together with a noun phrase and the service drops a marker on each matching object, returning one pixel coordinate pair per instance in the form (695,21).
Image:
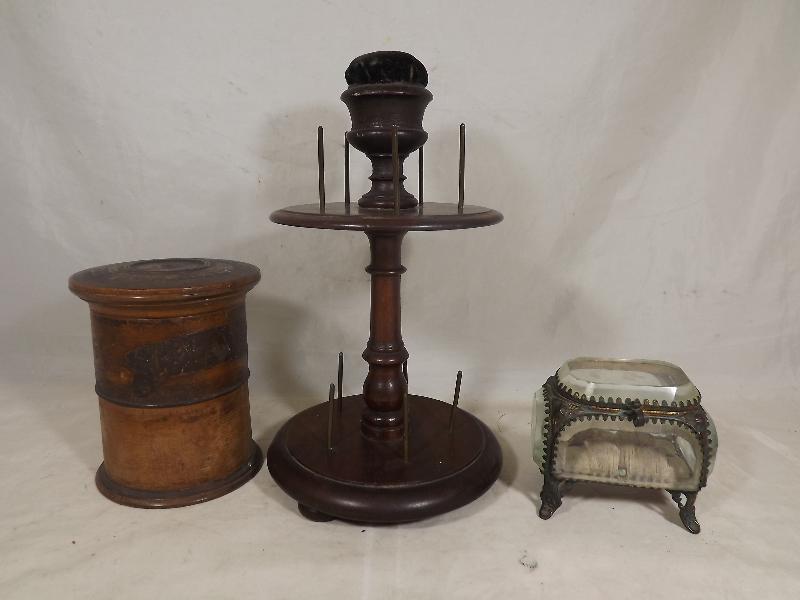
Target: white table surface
(59,538)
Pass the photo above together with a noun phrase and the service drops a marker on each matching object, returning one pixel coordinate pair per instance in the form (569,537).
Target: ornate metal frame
(564,407)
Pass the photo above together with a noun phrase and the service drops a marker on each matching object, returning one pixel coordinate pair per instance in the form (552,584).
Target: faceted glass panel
(713,443)
(656,455)
(650,381)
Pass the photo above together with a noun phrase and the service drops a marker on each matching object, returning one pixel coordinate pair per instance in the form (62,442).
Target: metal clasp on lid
(633,411)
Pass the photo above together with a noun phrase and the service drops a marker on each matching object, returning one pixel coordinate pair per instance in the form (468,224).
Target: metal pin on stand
(456,394)
(330,417)
(405,427)
(339,378)
(346,173)
(420,175)
(405,412)
(321,164)
(461,160)
(395,171)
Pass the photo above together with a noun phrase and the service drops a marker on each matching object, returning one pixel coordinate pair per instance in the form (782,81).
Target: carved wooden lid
(163,280)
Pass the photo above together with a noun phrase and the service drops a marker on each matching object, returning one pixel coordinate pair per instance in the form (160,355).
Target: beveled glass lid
(652,382)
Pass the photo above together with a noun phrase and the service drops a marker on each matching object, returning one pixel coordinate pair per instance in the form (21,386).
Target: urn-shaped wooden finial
(386,90)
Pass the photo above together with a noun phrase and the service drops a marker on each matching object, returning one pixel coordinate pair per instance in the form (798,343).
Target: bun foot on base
(313,515)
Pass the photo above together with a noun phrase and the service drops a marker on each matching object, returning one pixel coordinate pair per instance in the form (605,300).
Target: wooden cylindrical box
(170,355)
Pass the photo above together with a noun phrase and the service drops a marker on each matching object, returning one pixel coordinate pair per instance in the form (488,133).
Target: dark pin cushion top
(386,66)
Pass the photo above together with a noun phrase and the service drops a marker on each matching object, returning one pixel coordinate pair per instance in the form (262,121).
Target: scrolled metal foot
(550,497)
(686,510)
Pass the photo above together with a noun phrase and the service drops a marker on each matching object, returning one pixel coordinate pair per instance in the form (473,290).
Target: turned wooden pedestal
(366,474)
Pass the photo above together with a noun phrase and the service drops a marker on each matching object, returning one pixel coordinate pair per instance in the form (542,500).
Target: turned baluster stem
(385,385)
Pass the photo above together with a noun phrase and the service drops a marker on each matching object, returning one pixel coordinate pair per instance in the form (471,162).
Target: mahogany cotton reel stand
(385,456)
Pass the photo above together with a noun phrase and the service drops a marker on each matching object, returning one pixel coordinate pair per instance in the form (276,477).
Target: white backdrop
(645,155)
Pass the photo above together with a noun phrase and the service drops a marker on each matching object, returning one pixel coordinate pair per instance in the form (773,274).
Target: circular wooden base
(370,481)
(174,498)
